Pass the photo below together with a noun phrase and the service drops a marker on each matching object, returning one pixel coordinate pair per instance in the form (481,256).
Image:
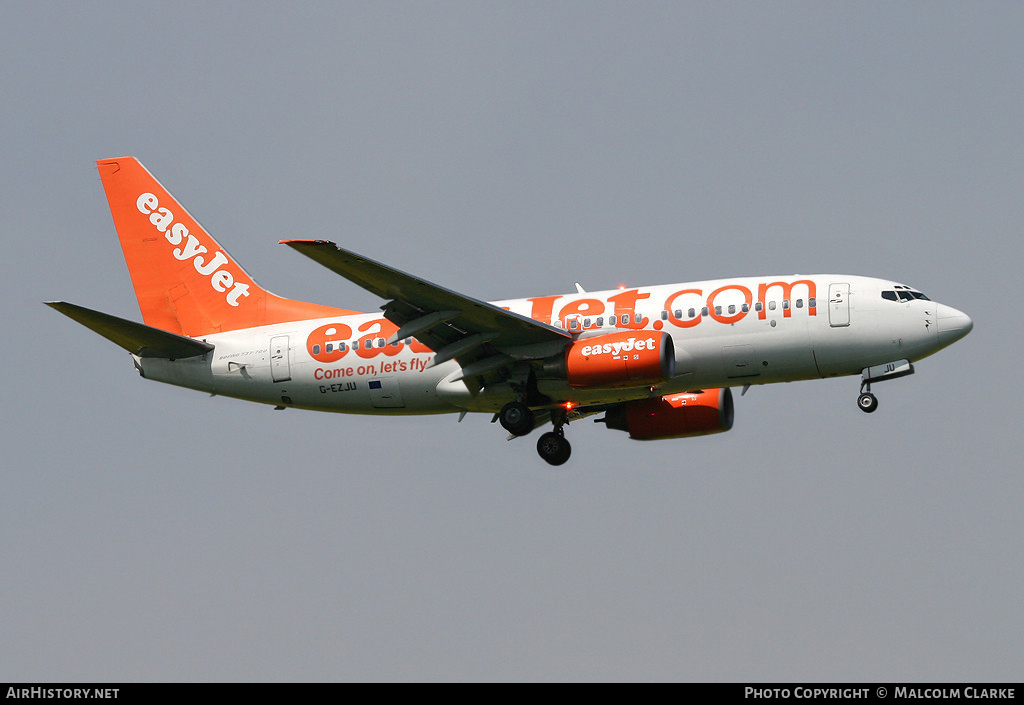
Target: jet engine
(623,359)
(680,415)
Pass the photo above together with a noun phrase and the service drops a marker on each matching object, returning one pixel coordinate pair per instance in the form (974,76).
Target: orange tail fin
(186,283)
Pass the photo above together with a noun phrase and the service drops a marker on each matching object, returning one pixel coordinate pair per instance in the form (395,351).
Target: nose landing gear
(868,402)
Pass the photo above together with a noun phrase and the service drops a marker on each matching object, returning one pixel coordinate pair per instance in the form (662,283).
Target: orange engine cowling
(625,359)
(674,415)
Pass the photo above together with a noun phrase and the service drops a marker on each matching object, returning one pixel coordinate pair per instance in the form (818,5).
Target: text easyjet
(617,347)
(177,233)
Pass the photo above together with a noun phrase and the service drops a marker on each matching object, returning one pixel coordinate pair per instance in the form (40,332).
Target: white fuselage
(728,332)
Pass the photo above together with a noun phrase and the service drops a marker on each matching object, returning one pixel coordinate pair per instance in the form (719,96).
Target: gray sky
(505,150)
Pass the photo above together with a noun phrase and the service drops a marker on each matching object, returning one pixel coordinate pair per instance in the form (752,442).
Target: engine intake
(674,415)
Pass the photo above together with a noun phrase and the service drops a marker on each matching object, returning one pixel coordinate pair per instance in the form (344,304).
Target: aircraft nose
(952,324)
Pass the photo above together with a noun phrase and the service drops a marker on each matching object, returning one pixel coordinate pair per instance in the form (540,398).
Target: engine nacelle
(624,359)
(674,415)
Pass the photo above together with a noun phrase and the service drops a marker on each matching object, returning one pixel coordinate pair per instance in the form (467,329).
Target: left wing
(481,336)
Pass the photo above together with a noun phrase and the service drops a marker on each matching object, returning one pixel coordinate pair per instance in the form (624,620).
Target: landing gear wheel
(867,402)
(554,448)
(516,418)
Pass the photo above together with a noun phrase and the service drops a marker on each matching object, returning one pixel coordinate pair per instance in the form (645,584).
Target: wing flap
(136,338)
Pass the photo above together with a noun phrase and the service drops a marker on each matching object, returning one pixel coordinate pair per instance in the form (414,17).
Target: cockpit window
(903,293)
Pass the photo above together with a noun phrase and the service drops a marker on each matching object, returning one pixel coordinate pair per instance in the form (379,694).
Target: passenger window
(718,310)
(704,311)
(574,324)
(745,308)
(692,312)
(799,303)
(342,347)
(329,347)
(758,306)
(812,302)
(638,318)
(355,344)
(316,349)
(586,323)
(679,313)
(771,305)
(732,308)
(785,304)
(600,321)
(381,342)
(664,315)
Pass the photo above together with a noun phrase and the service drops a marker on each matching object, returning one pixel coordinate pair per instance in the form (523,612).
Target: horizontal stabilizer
(136,338)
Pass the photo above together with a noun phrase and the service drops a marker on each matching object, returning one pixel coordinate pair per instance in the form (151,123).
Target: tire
(516,418)
(554,448)
(867,402)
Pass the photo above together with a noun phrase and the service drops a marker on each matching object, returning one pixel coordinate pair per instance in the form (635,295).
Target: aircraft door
(385,393)
(280,370)
(839,305)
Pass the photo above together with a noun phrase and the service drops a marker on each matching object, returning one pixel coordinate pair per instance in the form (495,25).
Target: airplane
(658,361)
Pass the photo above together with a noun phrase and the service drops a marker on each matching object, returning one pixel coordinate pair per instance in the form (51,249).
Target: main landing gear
(517,418)
(553,447)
